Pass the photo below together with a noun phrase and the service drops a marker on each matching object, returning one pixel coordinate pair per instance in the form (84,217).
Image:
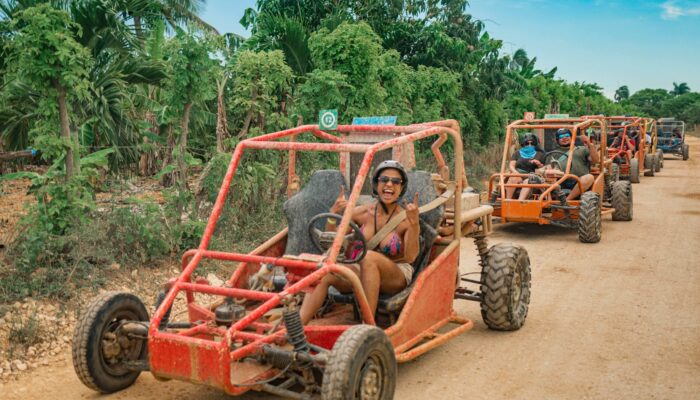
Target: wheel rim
(372,379)
(128,349)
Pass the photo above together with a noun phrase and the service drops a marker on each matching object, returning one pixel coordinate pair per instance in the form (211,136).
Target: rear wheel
(589,218)
(634,170)
(505,287)
(649,162)
(686,152)
(362,365)
(100,352)
(660,160)
(622,201)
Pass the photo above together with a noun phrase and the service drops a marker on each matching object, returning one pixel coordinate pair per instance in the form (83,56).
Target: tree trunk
(137,27)
(221,121)
(147,160)
(167,179)
(13,155)
(184,130)
(65,130)
(251,113)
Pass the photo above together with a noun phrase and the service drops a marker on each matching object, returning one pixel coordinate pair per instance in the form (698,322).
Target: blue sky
(639,43)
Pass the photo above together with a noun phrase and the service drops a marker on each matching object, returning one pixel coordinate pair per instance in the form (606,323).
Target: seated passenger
(581,161)
(627,145)
(388,268)
(525,161)
(676,137)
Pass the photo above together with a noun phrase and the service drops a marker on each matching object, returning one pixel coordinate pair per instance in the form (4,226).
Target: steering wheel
(323,240)
(552,157)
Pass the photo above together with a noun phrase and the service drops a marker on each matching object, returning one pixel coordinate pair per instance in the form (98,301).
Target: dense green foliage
(147,87)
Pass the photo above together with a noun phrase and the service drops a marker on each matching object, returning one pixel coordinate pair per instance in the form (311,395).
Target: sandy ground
(615,320)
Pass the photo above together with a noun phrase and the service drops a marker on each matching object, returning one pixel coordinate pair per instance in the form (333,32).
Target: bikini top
(390,246)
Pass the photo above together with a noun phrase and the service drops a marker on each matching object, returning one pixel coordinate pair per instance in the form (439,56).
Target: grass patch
(24,331)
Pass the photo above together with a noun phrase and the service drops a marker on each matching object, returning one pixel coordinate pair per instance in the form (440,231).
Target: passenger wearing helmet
(526,160)
(387,268)
(624,142)
(582,158)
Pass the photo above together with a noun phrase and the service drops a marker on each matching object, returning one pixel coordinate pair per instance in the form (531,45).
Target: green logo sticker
(328,120)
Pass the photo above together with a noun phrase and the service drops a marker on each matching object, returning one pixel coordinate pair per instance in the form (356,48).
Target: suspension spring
(482,247)
(295,330)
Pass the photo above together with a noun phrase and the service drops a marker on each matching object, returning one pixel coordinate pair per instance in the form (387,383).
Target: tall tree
(679,89)
(190,83)
(45,54)
(622,93)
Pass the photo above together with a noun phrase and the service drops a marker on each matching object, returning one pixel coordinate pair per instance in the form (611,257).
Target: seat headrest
(316,197)
(421,182)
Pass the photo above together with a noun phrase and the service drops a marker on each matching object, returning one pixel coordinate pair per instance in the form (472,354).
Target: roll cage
(210,350)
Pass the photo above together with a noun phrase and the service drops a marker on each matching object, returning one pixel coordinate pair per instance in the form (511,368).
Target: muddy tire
(362,365)
(649,164)
(622,201)
(160,298)
(610,178)
(686,151)
(660,157)
(589,218)
(95,330)
(634,170)
(505,287)
(648,161)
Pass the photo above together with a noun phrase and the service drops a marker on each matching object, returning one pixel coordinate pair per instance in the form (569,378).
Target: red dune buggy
(252,338)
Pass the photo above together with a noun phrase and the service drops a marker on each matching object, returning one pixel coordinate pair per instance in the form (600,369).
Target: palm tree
(679,89)
(622,93)
(144,14)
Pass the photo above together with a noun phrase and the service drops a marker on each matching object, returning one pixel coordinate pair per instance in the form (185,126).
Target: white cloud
(674,9)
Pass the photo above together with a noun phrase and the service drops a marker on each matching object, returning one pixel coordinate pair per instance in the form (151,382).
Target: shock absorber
(482,247)
(295,331)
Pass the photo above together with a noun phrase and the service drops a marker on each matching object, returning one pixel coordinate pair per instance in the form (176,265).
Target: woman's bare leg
(510,191)
(314,300)
(379,273)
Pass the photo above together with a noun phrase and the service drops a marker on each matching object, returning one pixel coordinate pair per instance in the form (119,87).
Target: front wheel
(634,170)
(659,160)
(622,201)
(589,218)
(100,352)
(686,152)
(649,164)
(362,365)
(505,287)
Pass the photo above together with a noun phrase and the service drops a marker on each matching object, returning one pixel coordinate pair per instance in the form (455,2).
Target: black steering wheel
(323,240)
(552,157)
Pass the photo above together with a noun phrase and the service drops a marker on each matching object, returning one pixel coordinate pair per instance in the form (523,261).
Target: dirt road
(614,320)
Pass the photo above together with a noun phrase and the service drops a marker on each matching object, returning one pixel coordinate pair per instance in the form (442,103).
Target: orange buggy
(626,147)
(547,203)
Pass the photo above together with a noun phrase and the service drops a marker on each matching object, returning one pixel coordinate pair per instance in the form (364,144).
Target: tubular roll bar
(576,125)
(191,258)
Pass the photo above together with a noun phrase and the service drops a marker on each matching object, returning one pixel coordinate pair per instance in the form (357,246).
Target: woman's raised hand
(412,210)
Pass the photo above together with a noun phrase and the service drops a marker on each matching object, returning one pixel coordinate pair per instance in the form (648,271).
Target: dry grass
(481,164)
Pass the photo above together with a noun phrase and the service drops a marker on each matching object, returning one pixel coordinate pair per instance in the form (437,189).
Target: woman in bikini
(387,268)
